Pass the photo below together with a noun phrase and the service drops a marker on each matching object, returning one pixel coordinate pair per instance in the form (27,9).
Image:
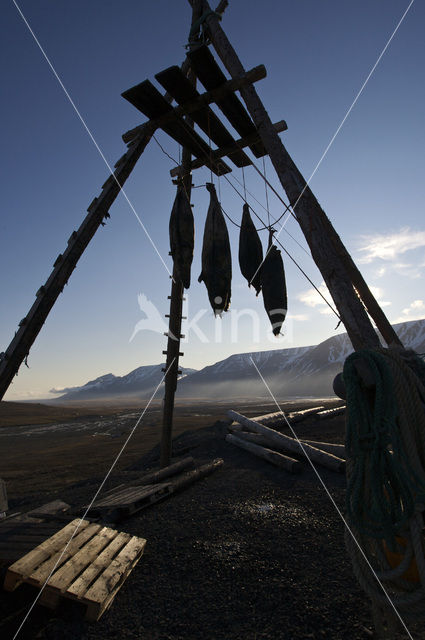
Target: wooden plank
(103,591)
(209,73)
(147,99)
(277,459)
(27,564)
(182,90)
(291,445)
(59,558)
(69,571)
(226,151)
(23,567)
(130,494)
(257,73)
(80,586)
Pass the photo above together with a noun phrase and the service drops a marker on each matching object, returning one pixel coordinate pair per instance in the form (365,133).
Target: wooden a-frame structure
(351,295)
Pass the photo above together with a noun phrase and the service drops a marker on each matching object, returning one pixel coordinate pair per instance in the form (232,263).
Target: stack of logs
(259,436)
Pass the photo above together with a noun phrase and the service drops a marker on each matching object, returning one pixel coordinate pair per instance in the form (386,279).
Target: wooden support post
(311,217)
(171,367)
(175,319)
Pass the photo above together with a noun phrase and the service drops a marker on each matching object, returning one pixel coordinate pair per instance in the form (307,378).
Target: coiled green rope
(383,488)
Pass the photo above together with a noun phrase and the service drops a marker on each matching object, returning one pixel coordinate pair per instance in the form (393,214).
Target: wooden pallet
(88,564)
(123,502)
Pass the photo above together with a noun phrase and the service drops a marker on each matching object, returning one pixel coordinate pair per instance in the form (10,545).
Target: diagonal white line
(83,122)
(92,501)
(347,114)
(332,500)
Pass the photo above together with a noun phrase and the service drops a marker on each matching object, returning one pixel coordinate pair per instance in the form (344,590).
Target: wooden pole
(311,217)
(175,317)
(279,460)
(288,444)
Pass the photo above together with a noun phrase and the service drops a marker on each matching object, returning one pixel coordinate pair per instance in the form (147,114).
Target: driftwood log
(279,460)
(336,449)
(330,413)
(166,472)
(185,479)
(290,444)
(298,416)
(258,438)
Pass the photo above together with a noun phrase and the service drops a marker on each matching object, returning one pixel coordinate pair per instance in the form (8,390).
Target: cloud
(388,246)
(378,293)
(415,311)
(299,317)
(58,390)
(312,299)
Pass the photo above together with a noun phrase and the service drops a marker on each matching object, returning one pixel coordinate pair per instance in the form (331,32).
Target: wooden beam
(285,443)
(227,151)
(183,91)
(278,459)
(149,101)
(211,76)
(311,217)
(257,73)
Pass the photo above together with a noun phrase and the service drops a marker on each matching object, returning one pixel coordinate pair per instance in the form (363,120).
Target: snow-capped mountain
(299,371)
(302,371)
(141,381)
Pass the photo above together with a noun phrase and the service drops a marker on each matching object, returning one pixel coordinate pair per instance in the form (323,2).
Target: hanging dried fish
(274,287)
(216,256)
(250,251)
(182,234)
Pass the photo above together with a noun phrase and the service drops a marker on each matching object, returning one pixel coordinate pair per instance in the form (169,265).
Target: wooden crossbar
(228,151)
(253,75)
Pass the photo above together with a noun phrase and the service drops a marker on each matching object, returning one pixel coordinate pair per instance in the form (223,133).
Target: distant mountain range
(299,371)
(140,382)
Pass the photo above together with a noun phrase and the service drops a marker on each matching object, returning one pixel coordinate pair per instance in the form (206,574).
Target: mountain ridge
(290,372)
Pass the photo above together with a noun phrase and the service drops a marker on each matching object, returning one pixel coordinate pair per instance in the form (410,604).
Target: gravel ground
(250,552)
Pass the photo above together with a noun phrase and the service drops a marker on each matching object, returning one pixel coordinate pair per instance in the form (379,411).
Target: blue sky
(317,55)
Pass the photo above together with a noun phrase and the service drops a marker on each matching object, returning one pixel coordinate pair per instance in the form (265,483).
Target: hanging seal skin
(274,287)
(216,257)
(182,234)
(250,251)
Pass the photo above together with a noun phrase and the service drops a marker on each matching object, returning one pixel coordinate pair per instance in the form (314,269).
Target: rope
(385,500)
(267,193)
(200,21)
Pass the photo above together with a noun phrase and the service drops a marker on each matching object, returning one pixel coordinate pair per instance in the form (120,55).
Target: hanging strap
(200,21)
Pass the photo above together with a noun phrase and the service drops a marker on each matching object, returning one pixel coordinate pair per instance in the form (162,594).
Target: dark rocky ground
(250,552)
